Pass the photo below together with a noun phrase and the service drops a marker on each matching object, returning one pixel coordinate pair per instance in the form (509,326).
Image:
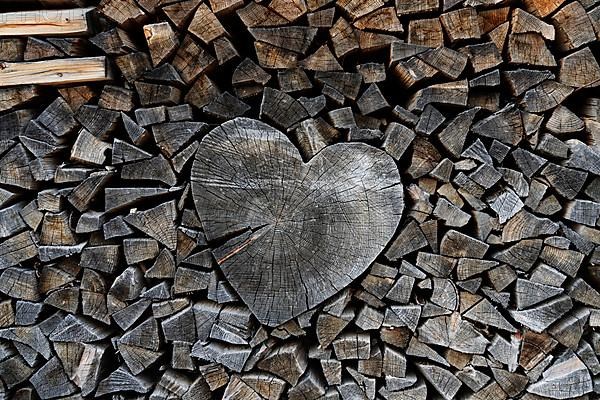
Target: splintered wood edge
(55,72)
(70,22)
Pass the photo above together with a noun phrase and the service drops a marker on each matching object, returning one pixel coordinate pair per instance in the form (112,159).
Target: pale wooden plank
(54,72)
(67,22)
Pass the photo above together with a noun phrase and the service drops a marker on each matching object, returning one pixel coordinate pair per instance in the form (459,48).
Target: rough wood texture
(305,200)
(299,199)
(68,22)
(55,72)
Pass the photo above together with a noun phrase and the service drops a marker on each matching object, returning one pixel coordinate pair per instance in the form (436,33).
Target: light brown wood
(69,22)
(55,72)
(205,25)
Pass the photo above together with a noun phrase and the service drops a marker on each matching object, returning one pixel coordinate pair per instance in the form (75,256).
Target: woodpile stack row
(490,108)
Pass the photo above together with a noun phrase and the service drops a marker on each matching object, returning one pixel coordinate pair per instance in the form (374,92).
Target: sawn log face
(297,232)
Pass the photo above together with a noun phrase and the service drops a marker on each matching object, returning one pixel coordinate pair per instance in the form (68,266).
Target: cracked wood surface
(114,285)
(301,231)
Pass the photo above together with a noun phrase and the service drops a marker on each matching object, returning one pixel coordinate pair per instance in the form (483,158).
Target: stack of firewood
(155,237)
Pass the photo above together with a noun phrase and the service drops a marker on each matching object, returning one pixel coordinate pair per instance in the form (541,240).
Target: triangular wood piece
(180,13)
(321,60)
(157,222)
(484,312)
(163,267)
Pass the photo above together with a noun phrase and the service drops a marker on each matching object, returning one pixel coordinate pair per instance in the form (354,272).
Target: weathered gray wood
(247,133)
(511,383)
(447,61)
(230,356)
(504,125)
(545,96)
(453,93)
(506,352)
(450,213)
(569,368)
(372,100)
(454,134)
(429,121)
(16,249)
(569,330)
(468,267)
(15,169)
(50,380)
(441,379)
(579,69)
(529,293)
(332,370)
(287,361)
(485,312)
(542,316)
(413,71)
(457,244)
(157,222)
(329,326)
(20,283)
(410,239)
(281,270)
(564,260)
(79,329)
(123,380)
(352,346)
(581,291)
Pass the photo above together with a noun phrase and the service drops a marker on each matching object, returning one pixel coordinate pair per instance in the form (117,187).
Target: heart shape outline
(249,182)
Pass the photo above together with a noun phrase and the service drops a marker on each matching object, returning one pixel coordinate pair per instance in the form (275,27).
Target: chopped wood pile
(300,199)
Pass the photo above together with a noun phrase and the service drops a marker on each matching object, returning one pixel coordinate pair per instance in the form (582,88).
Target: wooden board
(67,22)
(55,72)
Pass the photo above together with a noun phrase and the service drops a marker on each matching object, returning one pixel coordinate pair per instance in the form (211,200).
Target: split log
(407,7)
(17,249)
(461,24)
(449,62)
(228,256)
(542,316)
(352,346)
(523,22)
(426,32)
(487,284)
(546,96)
(573,27)
(441,379)
(161,41)
(11,98)
(567,367)
(289,362)
(520,50)
(484,312)
(343,37)
(123,379)
(454,93)
(205,25)
(52,372)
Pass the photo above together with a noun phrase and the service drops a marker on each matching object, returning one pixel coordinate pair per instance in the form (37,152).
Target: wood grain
(55,72)
(67,22)
(288,207)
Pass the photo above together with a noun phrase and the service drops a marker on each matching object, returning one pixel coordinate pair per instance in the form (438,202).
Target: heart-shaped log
(297,232)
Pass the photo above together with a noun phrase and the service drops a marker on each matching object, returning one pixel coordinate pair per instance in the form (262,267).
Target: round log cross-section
(295,233)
